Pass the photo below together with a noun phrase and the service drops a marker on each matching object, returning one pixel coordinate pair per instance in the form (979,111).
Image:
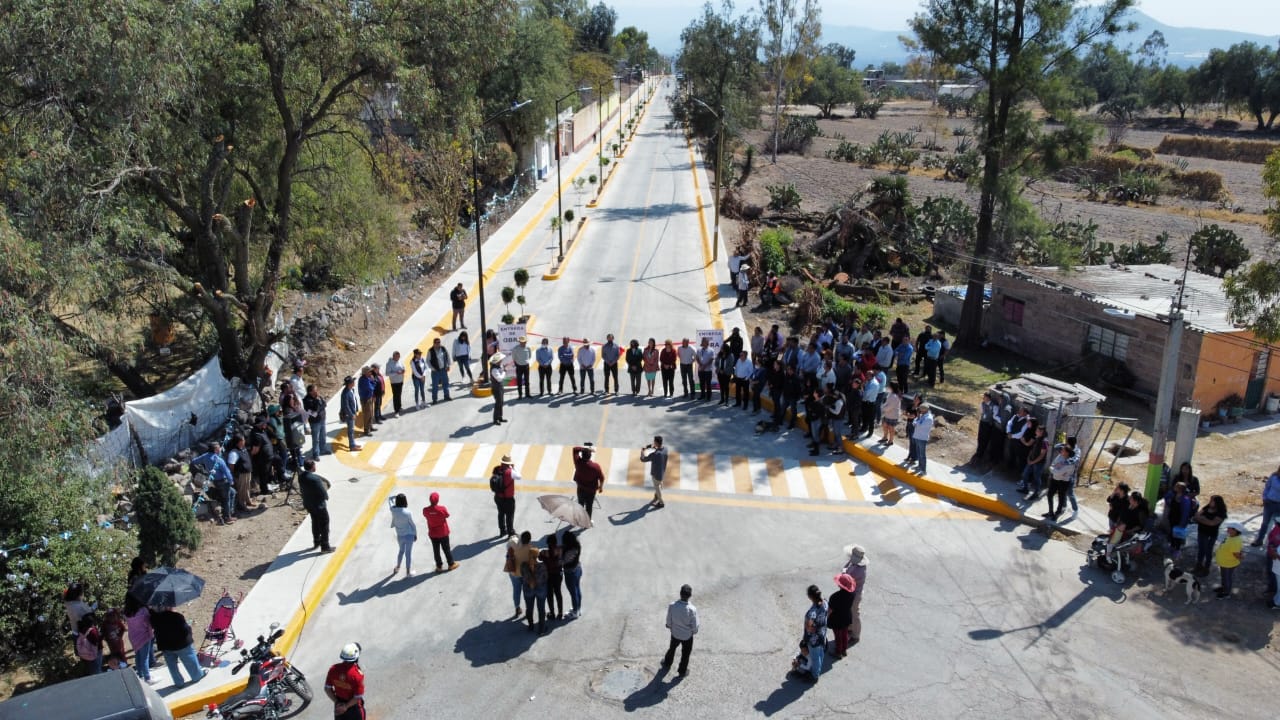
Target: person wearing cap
(587,366)
(437,517)
(348,408)
(521,355)
(742,283)
(505,498)
(544,356)
(564,354)
(438,361)
(682,621)
(587,475)
(497,384)
(657,459)
(856,568)
(610,354)
(344,684)
(840,613)
(1228,557)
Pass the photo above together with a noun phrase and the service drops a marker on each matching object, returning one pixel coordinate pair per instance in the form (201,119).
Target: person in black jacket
(174,641)
(315,498)
(840,613)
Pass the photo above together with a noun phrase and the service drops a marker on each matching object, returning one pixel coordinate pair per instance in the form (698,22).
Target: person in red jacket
(437,517)
(344,684)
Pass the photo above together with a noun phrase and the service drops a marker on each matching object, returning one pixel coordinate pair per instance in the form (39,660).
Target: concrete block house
(1114,320)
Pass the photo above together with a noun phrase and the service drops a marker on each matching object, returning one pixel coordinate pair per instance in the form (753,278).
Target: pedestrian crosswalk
(836,478)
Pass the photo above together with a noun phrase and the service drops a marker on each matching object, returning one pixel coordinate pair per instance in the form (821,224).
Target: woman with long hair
(462,355)
(651,363)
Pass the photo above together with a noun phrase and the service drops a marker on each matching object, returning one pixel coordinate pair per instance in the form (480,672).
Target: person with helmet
(345,684)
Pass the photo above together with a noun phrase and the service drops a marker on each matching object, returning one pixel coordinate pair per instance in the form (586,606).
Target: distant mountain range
(1187,46)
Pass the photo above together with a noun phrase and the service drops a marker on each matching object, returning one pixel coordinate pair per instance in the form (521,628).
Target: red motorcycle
(273,682)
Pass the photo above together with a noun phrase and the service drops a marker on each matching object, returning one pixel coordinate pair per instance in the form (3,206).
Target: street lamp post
(475,200)
(715,243)
(559,152)
(600,139)
(1166,391)
(622,109)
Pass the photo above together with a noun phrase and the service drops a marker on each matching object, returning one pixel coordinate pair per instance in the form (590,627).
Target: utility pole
(1168,386)
(719,116)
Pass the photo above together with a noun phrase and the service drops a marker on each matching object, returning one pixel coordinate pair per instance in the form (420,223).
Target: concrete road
(964,616)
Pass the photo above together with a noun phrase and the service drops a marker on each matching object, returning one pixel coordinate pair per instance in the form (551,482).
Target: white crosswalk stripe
(836,478)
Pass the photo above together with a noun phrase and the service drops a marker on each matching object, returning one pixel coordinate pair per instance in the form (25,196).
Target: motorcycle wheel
(298,684)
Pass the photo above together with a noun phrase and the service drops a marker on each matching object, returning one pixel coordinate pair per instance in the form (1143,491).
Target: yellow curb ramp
(293,629)
(880,466)
(576,240)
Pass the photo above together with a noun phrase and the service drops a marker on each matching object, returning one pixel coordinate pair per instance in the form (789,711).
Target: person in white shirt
(827,375)
(682,621)
(395,374)
(687,355)
(742,371)
(706,358)
(587,365)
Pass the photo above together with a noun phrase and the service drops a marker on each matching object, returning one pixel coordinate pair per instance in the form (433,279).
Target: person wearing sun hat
(856,568)
(505,496)
(840,612)
(497,381)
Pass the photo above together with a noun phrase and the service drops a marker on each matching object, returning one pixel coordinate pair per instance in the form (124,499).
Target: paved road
(964,616)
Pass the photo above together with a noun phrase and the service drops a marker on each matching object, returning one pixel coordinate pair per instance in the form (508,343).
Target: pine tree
(165,521)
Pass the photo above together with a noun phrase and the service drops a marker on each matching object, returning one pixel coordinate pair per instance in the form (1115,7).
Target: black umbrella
(167,587)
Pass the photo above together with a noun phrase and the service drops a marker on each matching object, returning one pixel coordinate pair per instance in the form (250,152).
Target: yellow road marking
(706,472)
(812,480)
(532,461)
(852,490)
(463,461)
(672,476)
(741,475)
(777,477)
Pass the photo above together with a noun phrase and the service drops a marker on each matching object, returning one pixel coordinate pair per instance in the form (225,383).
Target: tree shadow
(791,689)
(494,642)
(653,693)
(389,585)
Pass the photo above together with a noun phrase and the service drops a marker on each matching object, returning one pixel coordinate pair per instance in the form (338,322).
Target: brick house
(1115,320)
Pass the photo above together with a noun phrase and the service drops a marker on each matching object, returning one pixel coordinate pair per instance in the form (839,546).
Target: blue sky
(666,18)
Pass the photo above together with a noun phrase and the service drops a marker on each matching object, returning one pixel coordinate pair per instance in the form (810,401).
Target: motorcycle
(272,682)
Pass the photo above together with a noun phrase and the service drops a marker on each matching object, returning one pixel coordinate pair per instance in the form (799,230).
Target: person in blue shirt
(220,475)
(544,356)
(365,387)
(902,356)
(565,355)
(932,353)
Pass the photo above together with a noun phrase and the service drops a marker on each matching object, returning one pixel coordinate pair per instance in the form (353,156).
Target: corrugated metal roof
(1146,290)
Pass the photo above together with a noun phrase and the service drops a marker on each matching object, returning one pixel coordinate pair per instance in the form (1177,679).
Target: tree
(1244,74)
(1114,79)
(631,47)
(595,31)
(189,165)
(843,56)
(1016,48)
(1254,293)
(47,502)
(1170,88)
(721,68)
(793,28)
(923,65)
(166,524)
(832,84)
(1216,250)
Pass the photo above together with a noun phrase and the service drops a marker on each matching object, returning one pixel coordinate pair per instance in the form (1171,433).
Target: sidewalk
(299,577)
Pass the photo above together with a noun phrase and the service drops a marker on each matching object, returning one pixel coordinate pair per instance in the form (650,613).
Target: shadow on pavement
(653,693)
(470,550)
(789,691)
(1097,584)
(284,560)
(493,642)
(629,516)
(651,212)
(389,585)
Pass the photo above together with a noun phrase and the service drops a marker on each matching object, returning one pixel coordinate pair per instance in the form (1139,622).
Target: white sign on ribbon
(715,338)
(508,337)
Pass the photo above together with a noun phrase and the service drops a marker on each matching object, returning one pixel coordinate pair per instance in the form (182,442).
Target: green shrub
(1216,250)
(962,166)
(868,109)
(1156,253)
(165,521)
(797,134)
(783,197)
(774,244)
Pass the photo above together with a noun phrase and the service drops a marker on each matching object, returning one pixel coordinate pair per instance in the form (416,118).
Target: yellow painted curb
(293,629)
(573,247)
(708,268)
(963,496)
(880,466)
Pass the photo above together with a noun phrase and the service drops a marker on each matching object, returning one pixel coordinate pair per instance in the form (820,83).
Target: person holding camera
(657,458)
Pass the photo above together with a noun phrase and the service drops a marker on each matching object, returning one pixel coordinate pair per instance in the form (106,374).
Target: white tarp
(182,415)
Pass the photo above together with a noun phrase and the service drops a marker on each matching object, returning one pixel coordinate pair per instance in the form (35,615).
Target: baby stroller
(1123,554)
(220,632)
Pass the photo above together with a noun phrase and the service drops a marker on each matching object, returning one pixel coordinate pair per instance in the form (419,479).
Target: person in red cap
(345,684)
(437,517)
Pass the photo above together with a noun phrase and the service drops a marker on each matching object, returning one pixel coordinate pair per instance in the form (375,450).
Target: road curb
(963,496)
(558,272)
(293,629)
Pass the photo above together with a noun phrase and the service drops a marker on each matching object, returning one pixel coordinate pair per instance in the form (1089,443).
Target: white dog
(1174,575)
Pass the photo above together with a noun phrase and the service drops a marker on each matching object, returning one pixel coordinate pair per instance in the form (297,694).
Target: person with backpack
(502,483)
(89,644)
(437,517)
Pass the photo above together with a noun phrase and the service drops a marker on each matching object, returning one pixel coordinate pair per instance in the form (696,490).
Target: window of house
(1013,311)
(1108,342)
